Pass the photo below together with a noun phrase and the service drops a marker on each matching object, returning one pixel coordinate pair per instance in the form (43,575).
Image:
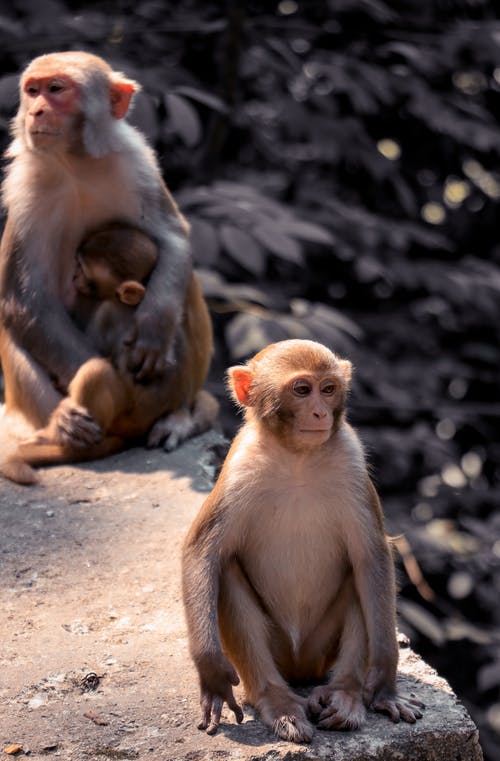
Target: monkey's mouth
(315,430)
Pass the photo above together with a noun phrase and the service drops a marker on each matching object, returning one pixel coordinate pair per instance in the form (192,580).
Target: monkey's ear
(131,292)
(121,91)
(240,379)
(346,370)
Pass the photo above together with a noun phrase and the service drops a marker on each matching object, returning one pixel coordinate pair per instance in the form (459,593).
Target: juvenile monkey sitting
(112,269)
(286,569)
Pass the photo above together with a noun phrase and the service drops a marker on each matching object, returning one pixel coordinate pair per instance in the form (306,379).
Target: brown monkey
(110,258)
(286,569)
(110,265)
(76,165)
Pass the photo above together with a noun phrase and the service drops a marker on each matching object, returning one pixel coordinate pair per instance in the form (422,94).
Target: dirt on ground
(94,661)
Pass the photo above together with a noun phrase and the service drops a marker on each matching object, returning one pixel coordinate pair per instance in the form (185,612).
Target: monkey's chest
(294,556)
(112,198)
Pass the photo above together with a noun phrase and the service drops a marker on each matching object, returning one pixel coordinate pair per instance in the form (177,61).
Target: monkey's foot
(398,707)
(294,728)
(172,430)
(334,708)
(285,713)
(74,426)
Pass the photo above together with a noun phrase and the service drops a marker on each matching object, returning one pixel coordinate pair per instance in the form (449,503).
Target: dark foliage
(338,161)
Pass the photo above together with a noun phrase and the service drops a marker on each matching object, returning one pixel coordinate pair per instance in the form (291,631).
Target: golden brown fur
(103,388)
(76,166)
(286,569)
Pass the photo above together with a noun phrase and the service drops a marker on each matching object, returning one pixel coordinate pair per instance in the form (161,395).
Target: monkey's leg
(97,395)
(339,704)
(28,388)
(245,633)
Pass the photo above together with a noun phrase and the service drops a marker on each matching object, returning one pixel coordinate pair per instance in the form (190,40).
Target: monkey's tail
(18,468)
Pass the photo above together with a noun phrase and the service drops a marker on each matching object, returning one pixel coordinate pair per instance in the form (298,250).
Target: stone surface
(89,584)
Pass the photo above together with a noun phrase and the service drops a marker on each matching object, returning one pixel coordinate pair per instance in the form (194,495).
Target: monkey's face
(52,110)
(296,389)
(306,410)
(94,278)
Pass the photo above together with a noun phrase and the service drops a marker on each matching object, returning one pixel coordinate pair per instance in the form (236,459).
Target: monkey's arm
(32,312)
(200,586)
(158,316)
(375,582)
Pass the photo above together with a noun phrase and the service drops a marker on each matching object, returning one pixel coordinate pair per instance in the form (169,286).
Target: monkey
(107,260)
(286,570)
(110,265)
(75,165)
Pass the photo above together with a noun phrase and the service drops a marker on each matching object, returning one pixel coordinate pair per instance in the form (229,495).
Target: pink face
(52,107)
(312,400)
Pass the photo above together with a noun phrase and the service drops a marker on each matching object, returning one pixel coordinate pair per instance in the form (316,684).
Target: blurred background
(339,164)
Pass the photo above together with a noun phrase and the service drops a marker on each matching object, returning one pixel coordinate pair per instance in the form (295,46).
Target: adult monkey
(76,165)
(113,266)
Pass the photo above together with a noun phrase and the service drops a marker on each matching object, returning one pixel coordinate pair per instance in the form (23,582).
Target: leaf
(307,231)
(208,99)
(489,676)
(247,334)
(243,249)
(93,716)
(423,621)
(215,287)
(184,119)
(144,116)
(9,97)
(278,243)
(204,242)
(235,189)
(327,315)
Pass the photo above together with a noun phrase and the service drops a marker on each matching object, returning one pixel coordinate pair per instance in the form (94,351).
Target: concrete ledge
(89,582)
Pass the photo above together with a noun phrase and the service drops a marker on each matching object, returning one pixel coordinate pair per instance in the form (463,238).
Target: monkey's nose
(319,414)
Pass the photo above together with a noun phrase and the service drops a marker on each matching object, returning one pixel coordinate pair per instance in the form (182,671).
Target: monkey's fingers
(76,427)
(398,709)
(215,716)
(408,712)
(234,706)
(147,358)
(211,707)
(414,702)
(206,710)
(318,700)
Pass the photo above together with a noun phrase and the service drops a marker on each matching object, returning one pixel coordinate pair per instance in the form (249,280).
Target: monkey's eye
(31,90)
(56,87)
(329,388)
(301,388)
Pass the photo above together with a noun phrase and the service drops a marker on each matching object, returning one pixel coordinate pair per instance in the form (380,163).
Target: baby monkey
(108,260)
(112,269)
(287,571)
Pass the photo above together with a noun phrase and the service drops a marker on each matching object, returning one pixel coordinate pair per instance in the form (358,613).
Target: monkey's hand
(334,708)
(73,425)
(148,345)
(217,678)
(381,697)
